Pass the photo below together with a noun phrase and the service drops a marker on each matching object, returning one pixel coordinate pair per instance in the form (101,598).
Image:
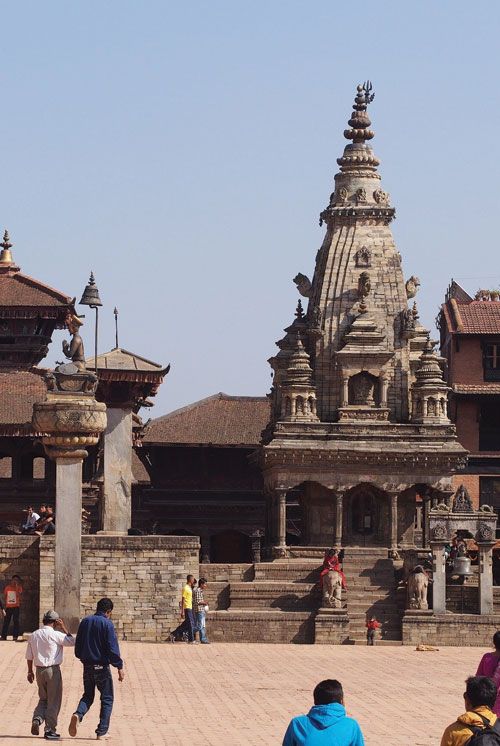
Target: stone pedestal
(331,626)
(439,578)
(68,562)
(116,511)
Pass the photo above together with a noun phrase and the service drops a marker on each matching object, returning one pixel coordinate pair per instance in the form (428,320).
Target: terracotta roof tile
(476,388)
(476,317)
(20,290)
(217,420)
(19,390)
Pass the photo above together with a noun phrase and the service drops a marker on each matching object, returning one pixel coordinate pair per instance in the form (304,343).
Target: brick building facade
(470,342)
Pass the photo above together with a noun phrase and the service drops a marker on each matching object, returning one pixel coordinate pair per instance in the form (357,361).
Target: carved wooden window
(491,361)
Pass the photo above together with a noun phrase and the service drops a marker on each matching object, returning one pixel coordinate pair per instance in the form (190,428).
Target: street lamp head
(90,295)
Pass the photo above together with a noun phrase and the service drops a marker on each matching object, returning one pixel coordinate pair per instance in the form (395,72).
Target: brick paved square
(246,693)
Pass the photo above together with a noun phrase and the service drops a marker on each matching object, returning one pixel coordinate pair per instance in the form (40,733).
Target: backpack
(487,736)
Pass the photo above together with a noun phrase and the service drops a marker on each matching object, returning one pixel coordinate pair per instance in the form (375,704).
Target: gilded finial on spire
(5,254)
(360,121)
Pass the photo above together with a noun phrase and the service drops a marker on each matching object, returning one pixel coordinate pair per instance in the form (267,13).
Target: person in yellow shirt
(187,616)
(480,695)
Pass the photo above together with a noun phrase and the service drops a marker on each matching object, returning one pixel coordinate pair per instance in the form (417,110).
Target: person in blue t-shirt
(97,648)
(326,723)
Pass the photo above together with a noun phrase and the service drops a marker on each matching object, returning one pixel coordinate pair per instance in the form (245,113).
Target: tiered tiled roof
(22,291)
(18,392)
(219,420)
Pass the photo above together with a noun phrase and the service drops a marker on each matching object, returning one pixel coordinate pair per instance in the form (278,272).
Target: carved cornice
(381,214)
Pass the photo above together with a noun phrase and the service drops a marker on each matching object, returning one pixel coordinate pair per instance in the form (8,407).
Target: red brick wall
(466,365)
(466,420)
(471,482)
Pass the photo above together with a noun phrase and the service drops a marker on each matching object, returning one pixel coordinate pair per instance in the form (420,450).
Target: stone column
(439,578)
(383,390)
(339,517)
(68,555)
(344,399)
(394,520)
(485,579)
(256,538)
(280,548)
(72,420)
(116,510)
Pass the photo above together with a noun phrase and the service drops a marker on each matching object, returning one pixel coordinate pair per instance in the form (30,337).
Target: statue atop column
(74,349)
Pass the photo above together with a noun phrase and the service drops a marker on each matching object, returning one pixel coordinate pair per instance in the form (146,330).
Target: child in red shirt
(371,627)
(12,599)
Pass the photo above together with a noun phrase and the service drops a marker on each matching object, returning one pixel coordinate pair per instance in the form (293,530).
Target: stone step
(261,595)
(307,572)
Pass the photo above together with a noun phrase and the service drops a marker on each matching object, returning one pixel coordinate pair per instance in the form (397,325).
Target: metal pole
(96,332)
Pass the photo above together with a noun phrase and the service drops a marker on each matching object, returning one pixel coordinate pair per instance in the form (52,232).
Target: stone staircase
(279,601)
(372,590)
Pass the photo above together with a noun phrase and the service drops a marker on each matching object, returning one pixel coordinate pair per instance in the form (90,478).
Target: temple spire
(5,254)
(360,121)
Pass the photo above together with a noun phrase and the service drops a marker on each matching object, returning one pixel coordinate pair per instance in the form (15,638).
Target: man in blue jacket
(326,723)
(97,648)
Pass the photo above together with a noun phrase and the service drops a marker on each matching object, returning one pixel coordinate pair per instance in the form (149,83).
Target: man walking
(187,616)
(12,600)
(97,648)
(200,611)
(45,652)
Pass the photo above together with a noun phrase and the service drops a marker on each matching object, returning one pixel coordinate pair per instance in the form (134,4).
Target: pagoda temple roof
(218,420)
(119,364)
(19,291)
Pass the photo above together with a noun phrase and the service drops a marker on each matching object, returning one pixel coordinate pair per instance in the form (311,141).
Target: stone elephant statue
(332,589)
(418,582)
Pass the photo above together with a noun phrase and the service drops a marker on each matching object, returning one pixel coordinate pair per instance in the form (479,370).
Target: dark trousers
(187,625)
(100,677)
(12,613)
(370,637)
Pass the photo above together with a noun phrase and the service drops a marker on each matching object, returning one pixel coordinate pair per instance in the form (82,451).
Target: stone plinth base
(260,626)
(331,626)
(449,629)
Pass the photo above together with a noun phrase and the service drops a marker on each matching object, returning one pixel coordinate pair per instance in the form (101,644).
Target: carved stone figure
(361,195)
(381,197)
(303,283)
(316,317)
(74,350)
(484,532)
(363,257)
(362,387)
(439,532)
(418,583)
(409,320)
(332,589)
(364,284)
(462,502)
(412,285)
(343,194)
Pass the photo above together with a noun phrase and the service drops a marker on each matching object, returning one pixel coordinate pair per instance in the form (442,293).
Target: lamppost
(91,298)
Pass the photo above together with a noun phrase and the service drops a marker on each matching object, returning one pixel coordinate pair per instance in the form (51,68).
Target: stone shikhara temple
(358,452)
(359,423)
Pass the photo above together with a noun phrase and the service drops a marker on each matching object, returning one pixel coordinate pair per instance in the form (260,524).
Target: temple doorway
(366,516)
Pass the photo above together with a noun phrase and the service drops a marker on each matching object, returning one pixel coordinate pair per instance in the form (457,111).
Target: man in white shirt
(30,522)
(45,652)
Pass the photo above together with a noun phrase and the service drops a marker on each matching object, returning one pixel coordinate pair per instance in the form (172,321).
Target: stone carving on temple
(439,532)
(364,284)
(332,590)
(363,257)
(361,195)
(484,532)
(303,284)
(462,502)
(381,197)
(418,583)
(412,285)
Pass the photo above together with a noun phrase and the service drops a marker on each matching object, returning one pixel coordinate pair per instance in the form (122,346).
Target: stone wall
(466,630)
(19,556)
(261,626)
(143,575)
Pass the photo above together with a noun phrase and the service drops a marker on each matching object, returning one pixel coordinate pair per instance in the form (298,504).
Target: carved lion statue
(332,589)
(418,583)
(412,286)
(303,283)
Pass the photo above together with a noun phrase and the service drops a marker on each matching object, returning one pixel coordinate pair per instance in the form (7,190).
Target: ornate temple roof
(218,420)
(120,360)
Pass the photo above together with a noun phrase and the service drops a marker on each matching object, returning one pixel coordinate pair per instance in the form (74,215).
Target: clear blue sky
(183,151)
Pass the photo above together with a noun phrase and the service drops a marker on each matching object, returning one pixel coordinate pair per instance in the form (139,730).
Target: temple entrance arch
(366,516)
